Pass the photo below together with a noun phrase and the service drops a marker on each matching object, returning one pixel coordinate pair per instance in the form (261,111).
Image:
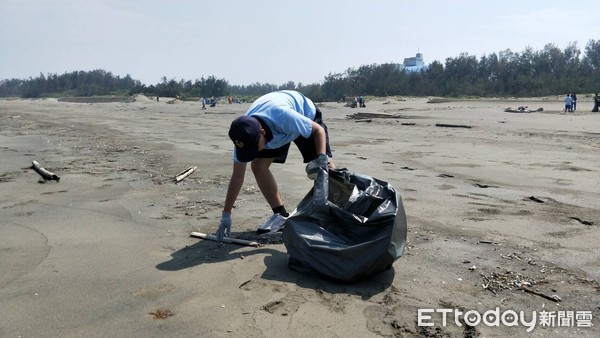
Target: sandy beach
(511,202)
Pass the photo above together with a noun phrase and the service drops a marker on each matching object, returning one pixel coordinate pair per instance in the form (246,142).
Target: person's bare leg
(266,181)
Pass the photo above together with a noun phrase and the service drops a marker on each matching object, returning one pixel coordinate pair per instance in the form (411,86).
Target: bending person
(262,137)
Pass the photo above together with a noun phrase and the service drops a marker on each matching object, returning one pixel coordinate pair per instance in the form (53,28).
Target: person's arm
(235,185)
(320,139)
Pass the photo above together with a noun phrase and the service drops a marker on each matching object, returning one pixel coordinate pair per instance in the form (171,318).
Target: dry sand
(514,199)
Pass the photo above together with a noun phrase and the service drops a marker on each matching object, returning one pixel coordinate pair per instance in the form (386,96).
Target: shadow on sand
(276,267)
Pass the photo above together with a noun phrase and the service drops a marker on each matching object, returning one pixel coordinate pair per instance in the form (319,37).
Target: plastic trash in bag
(348,227)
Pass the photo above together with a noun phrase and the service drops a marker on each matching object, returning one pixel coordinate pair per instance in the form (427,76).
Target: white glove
(224,227)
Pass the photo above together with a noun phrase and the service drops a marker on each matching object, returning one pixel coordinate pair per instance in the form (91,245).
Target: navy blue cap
(245,133)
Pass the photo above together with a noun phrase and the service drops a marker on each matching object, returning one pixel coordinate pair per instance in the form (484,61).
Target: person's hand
(224,227)
(313,167)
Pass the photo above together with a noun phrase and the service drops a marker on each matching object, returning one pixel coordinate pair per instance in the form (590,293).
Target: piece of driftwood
(182,175)
(554,298)
(46,175)
(522,110)
(447,125)
(363,116)
(225,239)
(535,199)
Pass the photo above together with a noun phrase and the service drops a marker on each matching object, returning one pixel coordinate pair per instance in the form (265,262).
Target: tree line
(549,71)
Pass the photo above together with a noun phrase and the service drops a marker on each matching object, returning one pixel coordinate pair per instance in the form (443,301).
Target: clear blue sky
(272,41)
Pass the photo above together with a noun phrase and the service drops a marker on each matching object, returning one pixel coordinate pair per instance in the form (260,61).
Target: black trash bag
(348,227)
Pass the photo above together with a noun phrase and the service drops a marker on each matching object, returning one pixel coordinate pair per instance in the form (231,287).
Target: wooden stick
(553,298)
(182,175)
(225,239)
(46,175)
(452,125)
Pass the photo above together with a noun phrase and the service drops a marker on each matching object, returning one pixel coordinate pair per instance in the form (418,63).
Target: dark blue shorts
(305,145)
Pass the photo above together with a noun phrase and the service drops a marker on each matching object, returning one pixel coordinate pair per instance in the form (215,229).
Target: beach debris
(441,100)
(408,123)
(162,314)
(449,125)
(182,175)
(487,242)
(535,199)
(508,280)
(364,116)
(522,109)
(445,175)
(473,268)
(364,120)
(581,221)
(225,239)
(271,307)
(511,256)
(479,185)
(554,298)
(46,175)
(407,168)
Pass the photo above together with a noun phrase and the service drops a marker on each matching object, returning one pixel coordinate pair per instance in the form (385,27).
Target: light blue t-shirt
(289,114)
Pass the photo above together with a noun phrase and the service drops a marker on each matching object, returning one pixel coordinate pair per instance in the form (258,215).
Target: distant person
(262,137)
(596,103)
(157,99)
(574,103)
(568,102)
(203,104)
(361,102)
(213,102)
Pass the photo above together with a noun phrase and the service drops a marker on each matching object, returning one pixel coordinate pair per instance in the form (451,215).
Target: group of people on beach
(570,102)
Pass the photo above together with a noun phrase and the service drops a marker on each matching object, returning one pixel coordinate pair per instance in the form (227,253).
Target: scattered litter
(508,280)
(162,314)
